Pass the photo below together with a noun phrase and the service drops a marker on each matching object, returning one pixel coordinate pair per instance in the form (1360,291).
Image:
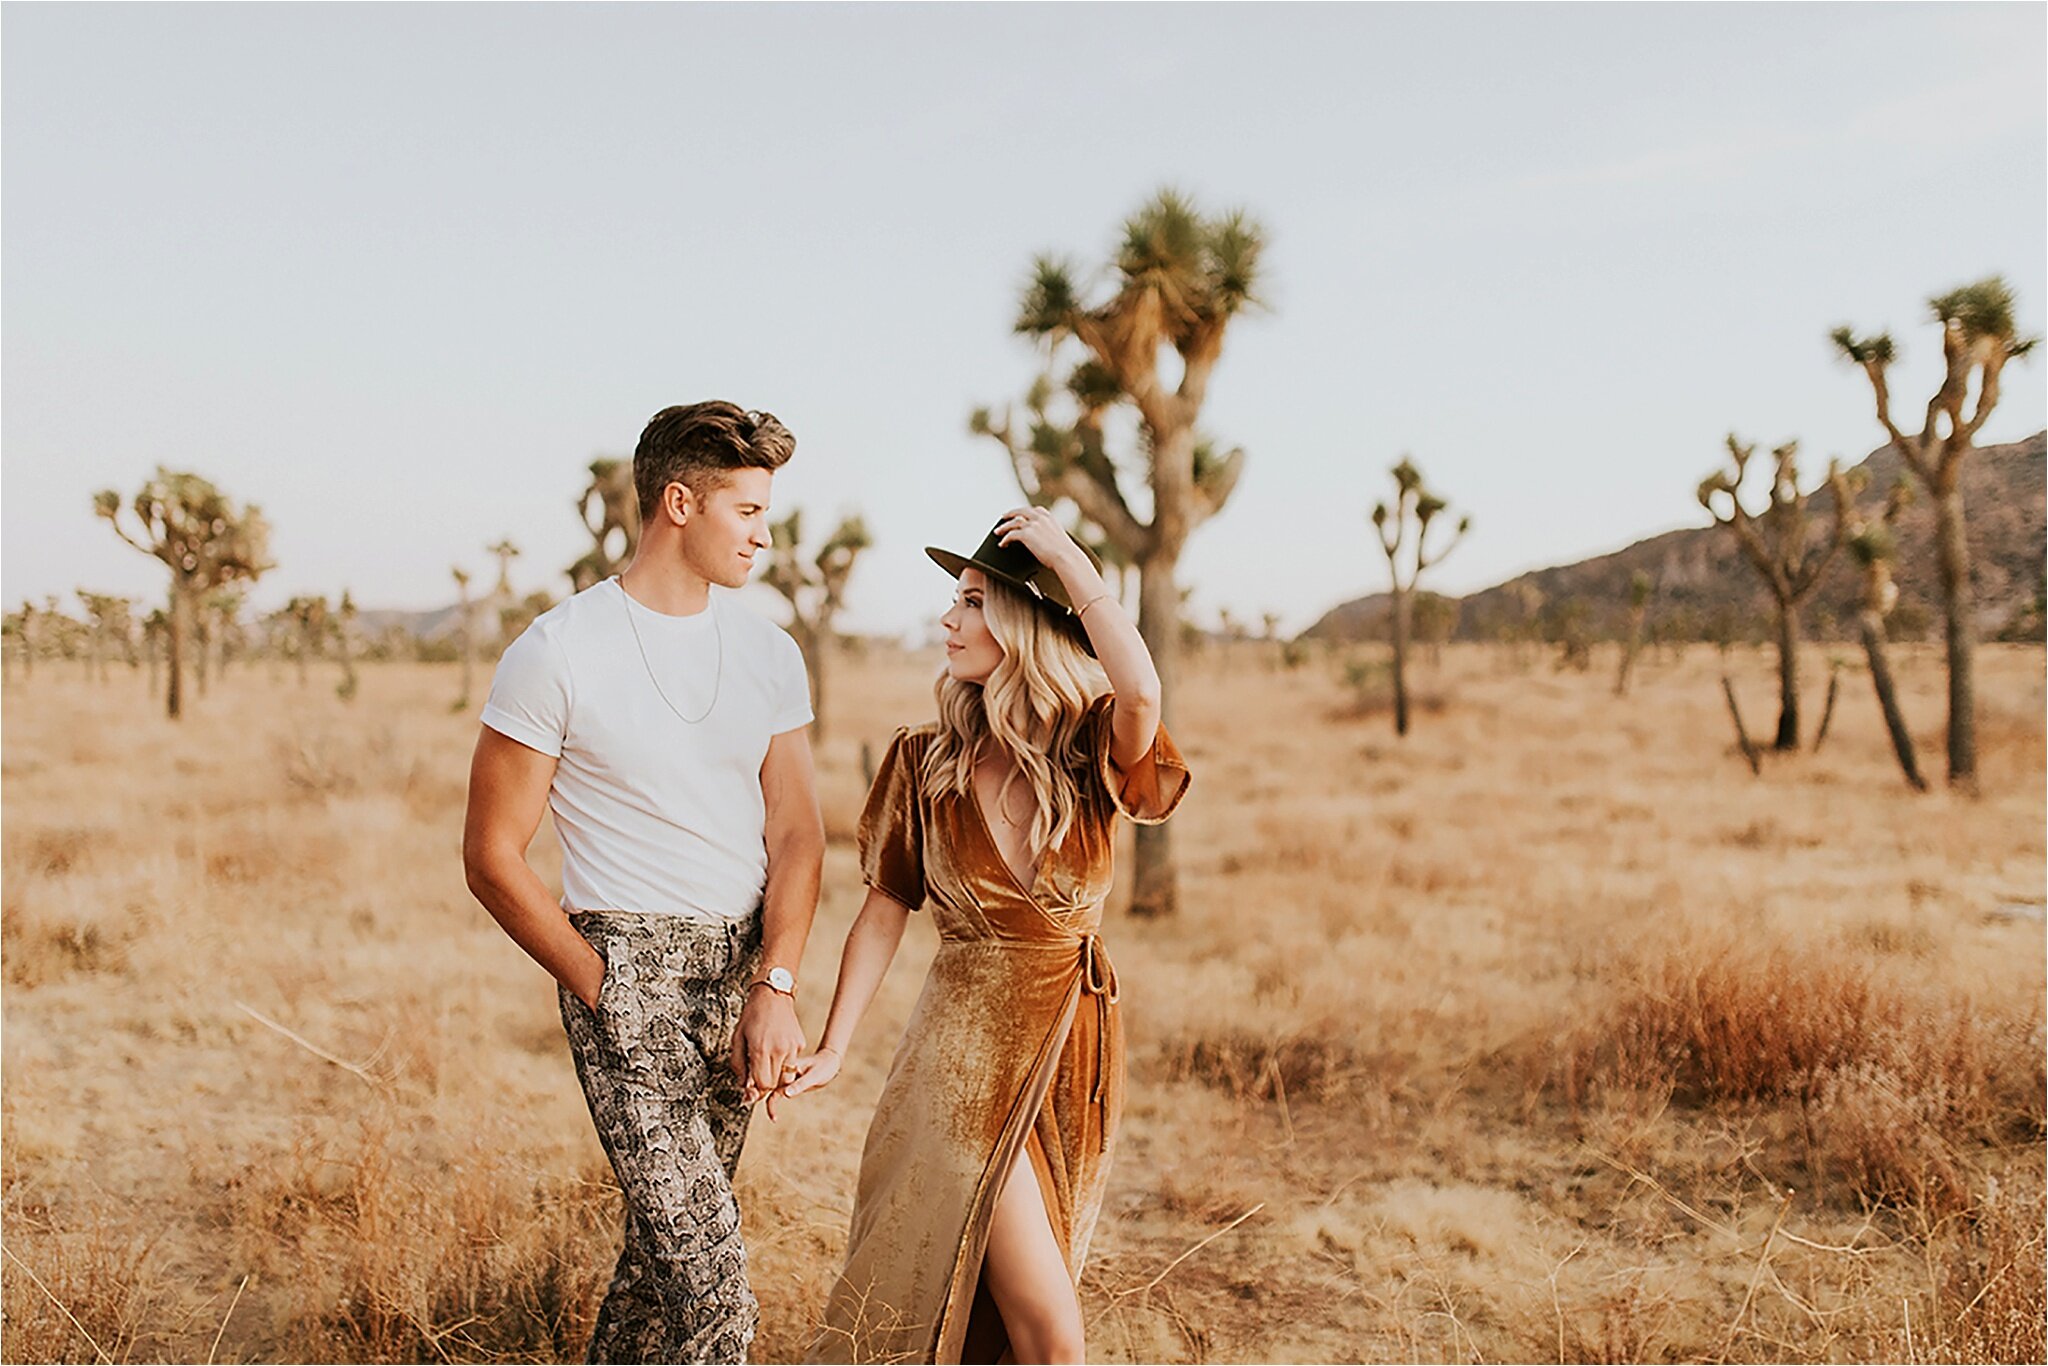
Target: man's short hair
(699,444)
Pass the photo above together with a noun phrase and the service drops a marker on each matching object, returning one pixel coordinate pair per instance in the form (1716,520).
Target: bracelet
(1099,597)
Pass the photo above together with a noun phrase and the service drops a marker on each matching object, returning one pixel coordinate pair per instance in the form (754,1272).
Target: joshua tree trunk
(465,635)
(1871,627)
(346,689)
(1827,711)
(1952,549)
(1640,589)
(1750,753)
(1629,650)
(1788,678)
(156,659)
(181,631)
(1154,889)
(1400,637)
(811,642)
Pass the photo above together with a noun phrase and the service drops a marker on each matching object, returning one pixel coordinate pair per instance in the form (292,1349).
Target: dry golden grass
(1546,1034)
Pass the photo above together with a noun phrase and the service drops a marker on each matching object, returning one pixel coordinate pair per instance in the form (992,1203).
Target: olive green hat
(1023,571)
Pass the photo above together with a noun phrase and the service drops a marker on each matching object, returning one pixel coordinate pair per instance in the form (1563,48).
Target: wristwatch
(778,979)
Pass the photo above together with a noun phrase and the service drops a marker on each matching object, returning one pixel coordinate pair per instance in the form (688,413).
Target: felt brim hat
(1023,571)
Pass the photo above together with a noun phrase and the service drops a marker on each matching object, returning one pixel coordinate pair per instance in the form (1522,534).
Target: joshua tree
(23,627)
(309,623)
(1641,588)
(618,510)
(1413,507)
(1871,543)
(202,538)
(223,614)
(502,602)
(345,638)
(465,630)
(1566,625)
(1177,281)
(156,636)
(506,552)
(815,586)
(113,626)
(1527,627)
(1978,337)
(1434,619)
(1777,544)
(517,616)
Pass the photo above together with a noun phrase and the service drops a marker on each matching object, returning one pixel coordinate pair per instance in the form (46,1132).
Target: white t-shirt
(654,813)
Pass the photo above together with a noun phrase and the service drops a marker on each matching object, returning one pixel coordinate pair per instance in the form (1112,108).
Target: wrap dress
(1014,1047)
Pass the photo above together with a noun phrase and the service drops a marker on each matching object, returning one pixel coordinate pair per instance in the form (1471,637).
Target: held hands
(813,1072)
(766,1045)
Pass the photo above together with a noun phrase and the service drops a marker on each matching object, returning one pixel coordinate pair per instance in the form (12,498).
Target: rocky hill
(1704,586)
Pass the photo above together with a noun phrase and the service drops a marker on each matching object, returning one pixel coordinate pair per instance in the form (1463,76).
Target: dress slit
(965,1303)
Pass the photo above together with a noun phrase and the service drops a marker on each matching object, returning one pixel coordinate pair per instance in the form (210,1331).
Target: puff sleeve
(1149,790)
(891,828)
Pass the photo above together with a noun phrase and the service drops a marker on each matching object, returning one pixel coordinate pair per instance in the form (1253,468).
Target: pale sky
(397,273)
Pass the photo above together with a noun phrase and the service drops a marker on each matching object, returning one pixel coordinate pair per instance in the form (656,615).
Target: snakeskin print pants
(654,1062)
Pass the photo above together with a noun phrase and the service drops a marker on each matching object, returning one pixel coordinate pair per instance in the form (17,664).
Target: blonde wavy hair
(1028,710)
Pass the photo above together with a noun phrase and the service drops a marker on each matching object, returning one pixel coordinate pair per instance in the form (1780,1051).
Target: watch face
(780,979)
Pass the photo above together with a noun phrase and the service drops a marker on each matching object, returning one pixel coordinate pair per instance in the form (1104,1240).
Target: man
(663,725)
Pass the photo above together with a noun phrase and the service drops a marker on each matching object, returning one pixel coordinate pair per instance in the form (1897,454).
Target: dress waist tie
(1098,979)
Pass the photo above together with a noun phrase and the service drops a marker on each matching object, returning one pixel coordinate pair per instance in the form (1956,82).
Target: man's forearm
(518,900)
(796,866)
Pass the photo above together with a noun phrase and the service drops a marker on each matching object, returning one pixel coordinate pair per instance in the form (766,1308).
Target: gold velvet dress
(1014,1046)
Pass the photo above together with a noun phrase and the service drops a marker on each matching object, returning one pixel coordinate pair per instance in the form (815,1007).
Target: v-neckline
(995,847)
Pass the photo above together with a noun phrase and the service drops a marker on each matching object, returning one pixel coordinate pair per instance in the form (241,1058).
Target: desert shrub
(407,1254)
(69,1291)
(1992,1281)
(1316,1063)
(1371,686)
(318,760)
(1898,1085)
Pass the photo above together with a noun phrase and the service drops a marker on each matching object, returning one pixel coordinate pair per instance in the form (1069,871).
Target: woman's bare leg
(1027,1276)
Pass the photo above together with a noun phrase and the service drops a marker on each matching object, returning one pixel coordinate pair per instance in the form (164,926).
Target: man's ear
(678,502)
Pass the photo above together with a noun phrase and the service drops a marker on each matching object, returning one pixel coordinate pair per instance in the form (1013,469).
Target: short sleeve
(792,683)
(892,825)
(1149,790)
(530,693)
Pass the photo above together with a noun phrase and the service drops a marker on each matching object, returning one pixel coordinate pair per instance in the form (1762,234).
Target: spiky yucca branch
(193,528)
(1054,460)
(1977,334)
(1788,563)
(1413,503)
(1874,543)
(814,587)
(1180,278)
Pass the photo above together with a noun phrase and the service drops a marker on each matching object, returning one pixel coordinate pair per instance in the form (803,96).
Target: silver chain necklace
(717,673)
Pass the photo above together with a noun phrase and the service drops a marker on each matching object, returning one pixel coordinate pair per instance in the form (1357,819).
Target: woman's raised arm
(1135,719)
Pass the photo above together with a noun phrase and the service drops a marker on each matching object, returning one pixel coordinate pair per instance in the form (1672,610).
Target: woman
(985,1163)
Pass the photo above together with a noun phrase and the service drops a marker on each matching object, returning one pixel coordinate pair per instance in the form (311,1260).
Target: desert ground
(1548,1033)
